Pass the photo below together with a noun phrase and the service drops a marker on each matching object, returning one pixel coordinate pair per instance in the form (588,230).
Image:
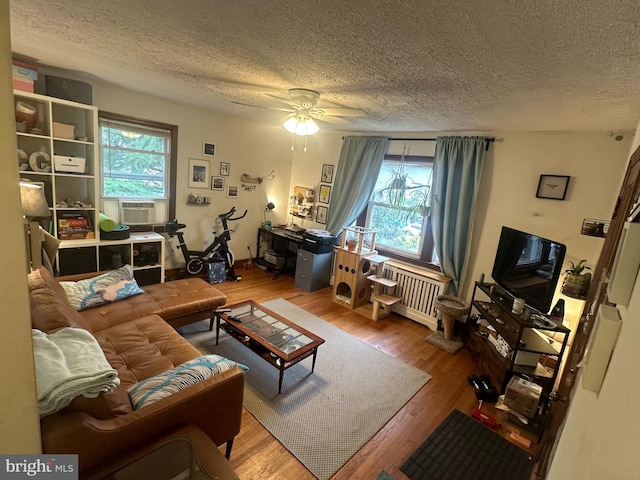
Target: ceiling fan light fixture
(301,125)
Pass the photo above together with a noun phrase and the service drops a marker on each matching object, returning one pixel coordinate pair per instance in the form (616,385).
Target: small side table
(186,453)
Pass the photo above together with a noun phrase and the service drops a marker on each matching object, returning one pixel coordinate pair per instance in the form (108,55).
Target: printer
(317,241)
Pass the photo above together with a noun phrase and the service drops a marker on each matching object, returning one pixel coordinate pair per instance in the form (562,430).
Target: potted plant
(576,283)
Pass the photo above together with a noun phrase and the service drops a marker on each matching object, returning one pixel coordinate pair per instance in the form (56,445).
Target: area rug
(322,418)
(449,346)
(460,447)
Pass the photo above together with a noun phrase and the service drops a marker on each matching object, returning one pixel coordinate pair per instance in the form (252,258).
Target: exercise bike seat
(174,226)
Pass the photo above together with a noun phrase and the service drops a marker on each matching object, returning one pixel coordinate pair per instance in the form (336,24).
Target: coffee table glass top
(286,338)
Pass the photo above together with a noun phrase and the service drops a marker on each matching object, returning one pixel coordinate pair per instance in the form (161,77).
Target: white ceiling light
(300,123)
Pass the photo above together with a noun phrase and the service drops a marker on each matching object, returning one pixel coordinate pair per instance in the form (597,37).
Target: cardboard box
(522,396)
(69,164)
(64,130)
(24,70)
(279,260)
(23,84)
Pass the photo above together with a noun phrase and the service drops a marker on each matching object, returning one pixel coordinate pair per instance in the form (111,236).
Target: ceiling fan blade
(280,109)
(343,112)
(330,119)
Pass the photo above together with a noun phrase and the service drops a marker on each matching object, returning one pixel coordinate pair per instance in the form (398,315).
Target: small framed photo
(325,193)
(595,228)
(225,168)
(327,173)
(553,187)
(232,191)
(198,173)
(217,183)
(208,149)
(321,215)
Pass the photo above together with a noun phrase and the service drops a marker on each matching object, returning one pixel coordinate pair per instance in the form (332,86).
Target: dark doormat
(462,448)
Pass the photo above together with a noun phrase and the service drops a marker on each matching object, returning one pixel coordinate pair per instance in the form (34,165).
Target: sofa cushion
(143,347)
(50,310)
(183,376)
(178,302)
(109,287)
(106,405)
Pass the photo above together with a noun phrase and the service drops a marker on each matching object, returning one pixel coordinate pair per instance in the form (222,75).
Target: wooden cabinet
(313,270)
(510,344)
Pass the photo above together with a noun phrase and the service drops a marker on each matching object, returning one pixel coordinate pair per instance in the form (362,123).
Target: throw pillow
(183,376)
(108,287)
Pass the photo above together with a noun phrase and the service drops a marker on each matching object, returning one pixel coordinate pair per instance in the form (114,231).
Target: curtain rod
(488,140)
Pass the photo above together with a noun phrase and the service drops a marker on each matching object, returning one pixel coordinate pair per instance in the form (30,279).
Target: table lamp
(34,206)
(267,223)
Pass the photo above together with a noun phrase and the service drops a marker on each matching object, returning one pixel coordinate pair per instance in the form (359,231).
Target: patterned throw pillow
(105,288)
(183,376)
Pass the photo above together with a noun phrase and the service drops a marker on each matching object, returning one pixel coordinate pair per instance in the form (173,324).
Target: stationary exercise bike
(197,260)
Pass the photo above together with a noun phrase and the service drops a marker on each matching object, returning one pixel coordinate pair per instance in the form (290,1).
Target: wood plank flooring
(257,455)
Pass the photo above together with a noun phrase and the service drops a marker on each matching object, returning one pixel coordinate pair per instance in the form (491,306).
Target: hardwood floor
(257,455)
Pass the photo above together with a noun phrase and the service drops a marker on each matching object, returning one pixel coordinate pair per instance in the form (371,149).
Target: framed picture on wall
(321,215)
(327,173)
(198,173)
(553,187)
(208,149)
(232,191)
(217,183)
(224,168)
(325,193)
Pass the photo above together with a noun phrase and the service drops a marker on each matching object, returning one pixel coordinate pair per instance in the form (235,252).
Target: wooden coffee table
(273,337)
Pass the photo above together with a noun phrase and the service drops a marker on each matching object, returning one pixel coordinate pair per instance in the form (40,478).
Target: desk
(283,243)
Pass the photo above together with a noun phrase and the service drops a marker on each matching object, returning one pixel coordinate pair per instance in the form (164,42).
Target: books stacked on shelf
(74,226)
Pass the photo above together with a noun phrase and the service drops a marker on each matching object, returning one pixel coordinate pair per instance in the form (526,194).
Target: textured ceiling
(411,65)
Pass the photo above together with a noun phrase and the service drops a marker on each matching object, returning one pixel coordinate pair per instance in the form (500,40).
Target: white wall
(600,438)
(19,420)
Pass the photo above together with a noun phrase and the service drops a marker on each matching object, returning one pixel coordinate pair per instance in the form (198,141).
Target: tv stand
(518,344)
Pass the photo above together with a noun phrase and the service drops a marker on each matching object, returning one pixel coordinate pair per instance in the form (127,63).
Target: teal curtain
(356,175)
(456,177)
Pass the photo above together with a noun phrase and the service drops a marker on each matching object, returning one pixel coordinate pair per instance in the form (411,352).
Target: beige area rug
(325,417)
(450,346)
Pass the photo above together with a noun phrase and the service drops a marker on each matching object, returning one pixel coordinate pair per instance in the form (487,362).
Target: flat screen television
(528,266)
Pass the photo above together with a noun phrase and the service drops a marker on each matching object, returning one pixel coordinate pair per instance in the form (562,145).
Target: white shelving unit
(71,195)
(70,130)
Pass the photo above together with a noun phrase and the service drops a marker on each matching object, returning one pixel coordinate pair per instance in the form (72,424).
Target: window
(399,209)
(137,162)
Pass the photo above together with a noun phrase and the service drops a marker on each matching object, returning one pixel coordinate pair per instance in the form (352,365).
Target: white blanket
(69,363)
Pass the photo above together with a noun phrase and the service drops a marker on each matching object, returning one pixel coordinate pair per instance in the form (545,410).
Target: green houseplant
(576,282)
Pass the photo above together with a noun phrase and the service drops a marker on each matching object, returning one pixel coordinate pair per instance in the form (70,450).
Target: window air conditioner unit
(137,213)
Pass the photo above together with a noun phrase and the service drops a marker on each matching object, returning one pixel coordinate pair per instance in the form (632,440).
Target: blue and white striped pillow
(183,376)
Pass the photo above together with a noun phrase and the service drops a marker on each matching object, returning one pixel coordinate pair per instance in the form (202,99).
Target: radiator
(418,288)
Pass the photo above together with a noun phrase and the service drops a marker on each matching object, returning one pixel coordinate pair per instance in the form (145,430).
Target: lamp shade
(270,206)
(300,124)
(34,203)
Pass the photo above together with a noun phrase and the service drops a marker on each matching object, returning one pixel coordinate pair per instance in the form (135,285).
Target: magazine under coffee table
(275,338)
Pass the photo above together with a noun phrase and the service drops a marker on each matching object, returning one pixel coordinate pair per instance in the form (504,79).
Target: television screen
(528,266)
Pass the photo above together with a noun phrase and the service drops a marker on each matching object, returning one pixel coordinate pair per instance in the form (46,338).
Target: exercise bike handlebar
(227,216)
(173,226)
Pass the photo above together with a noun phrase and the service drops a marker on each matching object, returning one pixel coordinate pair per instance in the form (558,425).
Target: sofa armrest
(213,405)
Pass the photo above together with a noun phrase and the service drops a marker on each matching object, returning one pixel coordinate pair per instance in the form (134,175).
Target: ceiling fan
(303,109)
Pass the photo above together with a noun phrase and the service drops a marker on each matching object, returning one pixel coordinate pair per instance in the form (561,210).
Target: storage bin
(69,164)
(64,130)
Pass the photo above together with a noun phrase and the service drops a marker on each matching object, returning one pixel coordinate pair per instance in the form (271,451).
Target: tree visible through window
(138,162)
(400,207)
(135,161)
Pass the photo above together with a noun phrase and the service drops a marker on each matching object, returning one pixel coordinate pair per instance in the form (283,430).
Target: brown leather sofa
(138,338)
